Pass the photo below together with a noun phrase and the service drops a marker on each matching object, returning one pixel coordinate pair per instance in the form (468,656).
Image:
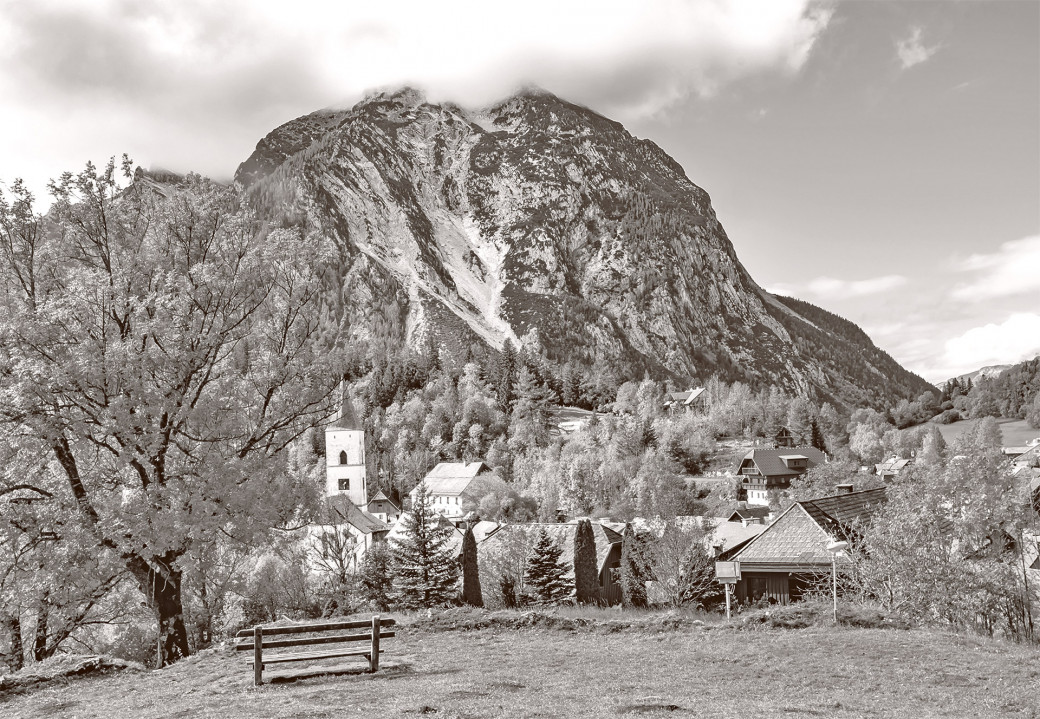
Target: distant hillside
(981,373)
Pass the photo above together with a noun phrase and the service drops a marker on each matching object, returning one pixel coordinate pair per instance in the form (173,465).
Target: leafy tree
(586,573)
(635,567)
(546,574)
(682,567)
(470,572)
(424,564)
(162,345)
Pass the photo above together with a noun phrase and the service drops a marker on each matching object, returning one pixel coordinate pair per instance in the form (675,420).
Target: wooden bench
(260,641)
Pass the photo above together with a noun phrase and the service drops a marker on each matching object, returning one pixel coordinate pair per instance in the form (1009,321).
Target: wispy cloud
(830,288)
(912,51)
(1012,270)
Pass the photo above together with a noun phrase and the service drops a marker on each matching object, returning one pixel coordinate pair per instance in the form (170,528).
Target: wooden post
(729,588)
(373,659)
(258,655)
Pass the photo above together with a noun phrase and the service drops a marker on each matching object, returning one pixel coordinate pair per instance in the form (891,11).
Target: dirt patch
(63,667)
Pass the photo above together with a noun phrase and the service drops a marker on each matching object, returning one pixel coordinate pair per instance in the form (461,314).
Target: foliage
(682,567)
(636,560)
(160,345)
(424,564)
(375,581)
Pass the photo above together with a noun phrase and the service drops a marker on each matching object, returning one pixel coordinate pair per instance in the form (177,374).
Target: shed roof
(770,462)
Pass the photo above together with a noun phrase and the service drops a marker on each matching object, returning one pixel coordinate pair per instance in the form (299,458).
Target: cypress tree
(816,437)
(426,570)
(633,569)
(545,574)
(470,572)
(586,576)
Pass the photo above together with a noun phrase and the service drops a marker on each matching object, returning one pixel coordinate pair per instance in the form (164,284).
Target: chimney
(845,488)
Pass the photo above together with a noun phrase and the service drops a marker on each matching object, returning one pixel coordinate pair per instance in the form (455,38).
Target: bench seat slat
(307,656)
(332,639)
(322,627)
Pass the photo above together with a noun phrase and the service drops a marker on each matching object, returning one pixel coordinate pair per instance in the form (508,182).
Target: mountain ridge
(546,224)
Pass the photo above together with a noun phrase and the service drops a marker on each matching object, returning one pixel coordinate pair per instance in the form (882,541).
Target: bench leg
(373,658)
(258,656)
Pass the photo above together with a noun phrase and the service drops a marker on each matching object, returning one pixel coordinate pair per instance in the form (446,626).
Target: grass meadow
(599,671)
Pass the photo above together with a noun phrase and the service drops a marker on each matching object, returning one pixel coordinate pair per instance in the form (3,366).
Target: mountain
(987,372)
(542,222)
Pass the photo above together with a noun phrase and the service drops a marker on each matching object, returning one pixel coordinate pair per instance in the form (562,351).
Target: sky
(878,159)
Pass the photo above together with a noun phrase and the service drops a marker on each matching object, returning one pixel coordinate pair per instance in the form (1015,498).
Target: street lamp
(834,548)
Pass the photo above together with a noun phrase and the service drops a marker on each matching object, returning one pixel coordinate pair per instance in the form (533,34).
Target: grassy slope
(1015,432)
(552,673)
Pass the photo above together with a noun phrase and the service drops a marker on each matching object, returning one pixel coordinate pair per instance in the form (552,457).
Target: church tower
(345,455)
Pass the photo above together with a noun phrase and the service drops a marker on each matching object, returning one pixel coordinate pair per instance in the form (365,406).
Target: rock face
(544,223)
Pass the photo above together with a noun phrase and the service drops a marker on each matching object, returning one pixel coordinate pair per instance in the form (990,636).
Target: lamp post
(728,574)
(834,548)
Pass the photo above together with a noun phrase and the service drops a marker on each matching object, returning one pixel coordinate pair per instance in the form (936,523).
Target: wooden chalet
(764,470)
(383,508)
(784,438)
(691,399)
(790,556)
(891,467)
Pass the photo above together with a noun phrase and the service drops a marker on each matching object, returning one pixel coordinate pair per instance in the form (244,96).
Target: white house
(449,484)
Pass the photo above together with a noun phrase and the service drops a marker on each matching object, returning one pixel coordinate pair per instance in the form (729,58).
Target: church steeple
(348,418)
(345,454)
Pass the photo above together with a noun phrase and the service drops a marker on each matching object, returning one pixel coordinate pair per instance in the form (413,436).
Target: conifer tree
(426,570)
(545,572)
(586,576)
(471,594)
(816,436)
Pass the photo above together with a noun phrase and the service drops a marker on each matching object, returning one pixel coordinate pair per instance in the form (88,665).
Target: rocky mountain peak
(544,223)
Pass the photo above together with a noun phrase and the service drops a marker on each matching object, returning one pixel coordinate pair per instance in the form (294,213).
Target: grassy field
(1015,432)
(599,672)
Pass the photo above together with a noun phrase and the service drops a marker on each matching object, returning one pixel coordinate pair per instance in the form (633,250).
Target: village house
(784,438)
(691,399)
(790,556)
(891,468)
(481,531)
(449,484)
(381,507)
(765,470)
(343,533)
(747,514)
(505,550)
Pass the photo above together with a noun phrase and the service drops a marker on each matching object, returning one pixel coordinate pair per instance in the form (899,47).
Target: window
(344,483)
(342,457)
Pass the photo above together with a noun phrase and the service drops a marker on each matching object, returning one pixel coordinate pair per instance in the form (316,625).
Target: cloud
(1012,270)
(206,80)
(911,51)
(1015,339)
(830,288)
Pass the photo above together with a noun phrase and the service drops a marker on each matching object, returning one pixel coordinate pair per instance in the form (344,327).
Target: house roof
(339,509)
(770,462)
(895,464)
(481,531)
(744,513)
(729,535)
(563,535)
(800,535)
(684,397)
(452,478)
(347,418)
(380,497)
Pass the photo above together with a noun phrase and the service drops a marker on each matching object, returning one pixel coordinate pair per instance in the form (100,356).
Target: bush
(948,417)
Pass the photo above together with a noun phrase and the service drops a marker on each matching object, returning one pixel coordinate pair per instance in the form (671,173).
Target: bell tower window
(344,484)
(342,457)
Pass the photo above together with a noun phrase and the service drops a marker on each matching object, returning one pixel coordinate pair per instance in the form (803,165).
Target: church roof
(338,509)
(347,418)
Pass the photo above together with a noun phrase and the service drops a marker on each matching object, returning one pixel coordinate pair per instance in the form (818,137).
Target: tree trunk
(39,649)
(11,624)
(162,591)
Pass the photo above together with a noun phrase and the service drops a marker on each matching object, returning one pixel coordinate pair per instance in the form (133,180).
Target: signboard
(727,572)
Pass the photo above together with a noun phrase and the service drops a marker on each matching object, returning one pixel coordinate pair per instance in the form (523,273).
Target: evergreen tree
(470,573)
(545,573)
(376,581)
(586,576)
(425,567)
(816,436)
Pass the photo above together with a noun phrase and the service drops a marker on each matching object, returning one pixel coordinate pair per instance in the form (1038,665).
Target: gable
(794,538)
